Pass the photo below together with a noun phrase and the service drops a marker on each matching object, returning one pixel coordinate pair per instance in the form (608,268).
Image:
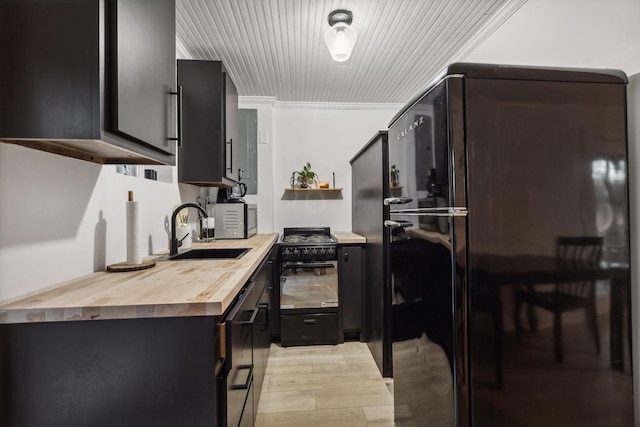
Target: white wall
(327,136)
(574,33)
(61,218)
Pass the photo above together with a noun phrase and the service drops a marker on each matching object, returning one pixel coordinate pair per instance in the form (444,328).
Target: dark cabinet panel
(71,69)
(310,328)
(274,320)
(231,128)
(129,372)
(350,271)
(49,77)
(209,123)
(262,328)
(239,360)
(143,70)
(371,184)
(248,340)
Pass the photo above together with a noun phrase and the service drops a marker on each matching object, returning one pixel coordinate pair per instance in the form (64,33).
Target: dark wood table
(529,270)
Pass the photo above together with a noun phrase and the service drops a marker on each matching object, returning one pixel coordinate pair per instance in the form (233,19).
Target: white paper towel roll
(134,233)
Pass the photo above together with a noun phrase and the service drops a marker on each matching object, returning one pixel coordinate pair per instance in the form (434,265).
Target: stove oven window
(309,285)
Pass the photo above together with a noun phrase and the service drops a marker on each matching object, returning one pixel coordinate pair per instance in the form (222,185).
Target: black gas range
(308,244)
(309,297)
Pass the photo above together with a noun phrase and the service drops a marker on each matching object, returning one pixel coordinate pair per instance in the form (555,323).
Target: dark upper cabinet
(209,124)
(90,79)
(143,70)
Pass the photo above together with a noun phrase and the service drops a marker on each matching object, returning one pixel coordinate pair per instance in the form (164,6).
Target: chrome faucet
(173,250)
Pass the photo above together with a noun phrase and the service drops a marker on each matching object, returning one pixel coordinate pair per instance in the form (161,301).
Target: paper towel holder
(125,266)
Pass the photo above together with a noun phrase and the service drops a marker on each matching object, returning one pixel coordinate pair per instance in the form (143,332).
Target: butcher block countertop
(170,289)
(347,237)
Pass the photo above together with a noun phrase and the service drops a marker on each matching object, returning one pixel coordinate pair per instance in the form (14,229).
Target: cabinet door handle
(252,319)
(229,166)
(179,124)
(247,382)
(222,340)
(309,321)
(264,306)
(346,256)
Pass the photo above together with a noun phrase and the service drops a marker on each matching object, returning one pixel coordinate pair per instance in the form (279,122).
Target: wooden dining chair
(573,289)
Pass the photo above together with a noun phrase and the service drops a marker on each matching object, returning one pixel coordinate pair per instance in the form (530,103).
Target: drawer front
(309,329)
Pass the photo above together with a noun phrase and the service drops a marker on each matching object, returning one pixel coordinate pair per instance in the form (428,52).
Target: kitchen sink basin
(211,253)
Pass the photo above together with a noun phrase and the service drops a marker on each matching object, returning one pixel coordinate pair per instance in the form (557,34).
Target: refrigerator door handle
(397,200)
(452,211)
(389,223)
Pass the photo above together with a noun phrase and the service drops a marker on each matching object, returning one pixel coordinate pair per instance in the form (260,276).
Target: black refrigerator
(507,250)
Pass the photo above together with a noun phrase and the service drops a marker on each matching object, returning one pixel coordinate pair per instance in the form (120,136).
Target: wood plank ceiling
(275,48)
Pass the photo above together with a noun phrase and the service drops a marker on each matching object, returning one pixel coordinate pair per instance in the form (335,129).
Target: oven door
(308,285)
(309,312)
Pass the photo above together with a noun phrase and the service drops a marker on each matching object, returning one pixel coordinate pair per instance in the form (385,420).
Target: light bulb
(340,40)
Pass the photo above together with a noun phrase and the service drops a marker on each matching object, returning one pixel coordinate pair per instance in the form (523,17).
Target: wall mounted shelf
(312,193)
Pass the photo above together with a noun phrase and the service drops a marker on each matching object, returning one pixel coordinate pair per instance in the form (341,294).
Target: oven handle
(308,265)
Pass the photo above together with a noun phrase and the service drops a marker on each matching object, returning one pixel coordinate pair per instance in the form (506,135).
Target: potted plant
(304,177)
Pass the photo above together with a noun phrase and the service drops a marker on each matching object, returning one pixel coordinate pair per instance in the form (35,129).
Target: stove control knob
(322,251)
(305,251)
(314,251)
(296,252)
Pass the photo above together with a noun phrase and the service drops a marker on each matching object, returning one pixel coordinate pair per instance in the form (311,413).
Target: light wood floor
(318,386)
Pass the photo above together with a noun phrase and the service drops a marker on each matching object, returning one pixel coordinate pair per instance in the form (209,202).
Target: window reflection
(609,180)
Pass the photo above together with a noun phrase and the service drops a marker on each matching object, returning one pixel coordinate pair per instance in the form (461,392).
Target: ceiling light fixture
(340,38)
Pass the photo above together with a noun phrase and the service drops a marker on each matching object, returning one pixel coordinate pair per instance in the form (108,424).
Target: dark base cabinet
(156,372)
(133,372)
(351,273)
(238,382)
(248,340)
(310,327)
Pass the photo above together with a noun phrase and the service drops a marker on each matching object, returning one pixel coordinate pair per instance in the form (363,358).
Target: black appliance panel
(419,157)
(309,294)
(424,331)
(543,157)
(549,160)
(308,244)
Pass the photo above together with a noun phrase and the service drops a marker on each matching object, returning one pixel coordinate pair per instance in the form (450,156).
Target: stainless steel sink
(211,253)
